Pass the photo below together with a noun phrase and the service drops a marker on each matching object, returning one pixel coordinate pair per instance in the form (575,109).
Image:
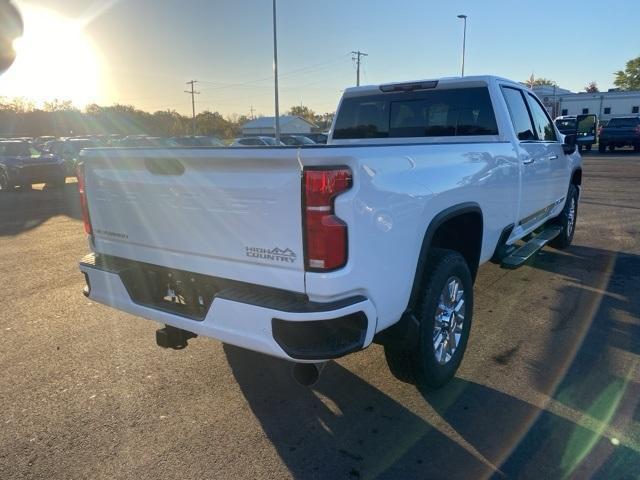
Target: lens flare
(55,60)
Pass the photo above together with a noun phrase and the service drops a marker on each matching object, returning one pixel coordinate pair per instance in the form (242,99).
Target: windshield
(15,149)
(624,122)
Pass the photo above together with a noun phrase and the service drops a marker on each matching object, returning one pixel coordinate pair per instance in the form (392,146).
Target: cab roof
(432,83)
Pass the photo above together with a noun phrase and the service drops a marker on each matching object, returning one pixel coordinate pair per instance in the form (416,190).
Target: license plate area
(175,291)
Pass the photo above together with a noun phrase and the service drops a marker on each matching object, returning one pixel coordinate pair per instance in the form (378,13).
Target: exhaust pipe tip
(307,374)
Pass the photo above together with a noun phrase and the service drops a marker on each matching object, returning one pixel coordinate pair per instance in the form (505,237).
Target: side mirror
(586,127)
(569,145)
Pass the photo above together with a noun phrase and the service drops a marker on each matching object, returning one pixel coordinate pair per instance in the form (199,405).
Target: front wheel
(444,312)
(4,182)
(567,220)
(601,148)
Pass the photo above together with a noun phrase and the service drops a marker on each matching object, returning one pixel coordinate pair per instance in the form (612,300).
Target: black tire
(579,148)
(612,148)
(636,147)
(4,182)
(588,148)
(602,147)
(567,220)
(421,365)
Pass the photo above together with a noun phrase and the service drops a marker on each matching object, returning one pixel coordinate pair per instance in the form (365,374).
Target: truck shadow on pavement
(346,428)
(23,210)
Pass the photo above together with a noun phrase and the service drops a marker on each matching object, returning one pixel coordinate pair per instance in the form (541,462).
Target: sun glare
(55,60)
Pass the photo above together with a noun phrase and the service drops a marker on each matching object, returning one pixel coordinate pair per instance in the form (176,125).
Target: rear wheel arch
(467,216)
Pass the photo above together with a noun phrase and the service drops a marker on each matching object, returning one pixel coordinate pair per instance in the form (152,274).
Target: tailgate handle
(164,166)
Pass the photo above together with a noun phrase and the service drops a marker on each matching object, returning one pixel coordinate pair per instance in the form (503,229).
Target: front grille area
(41,171)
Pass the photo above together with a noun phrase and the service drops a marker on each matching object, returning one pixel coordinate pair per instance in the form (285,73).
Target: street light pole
(275,72)
(464,39)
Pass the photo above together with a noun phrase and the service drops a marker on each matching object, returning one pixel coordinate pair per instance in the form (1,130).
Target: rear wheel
(567,220)
(612,148)
(444,312)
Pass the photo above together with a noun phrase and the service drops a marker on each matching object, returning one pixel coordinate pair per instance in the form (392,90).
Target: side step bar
(519,256)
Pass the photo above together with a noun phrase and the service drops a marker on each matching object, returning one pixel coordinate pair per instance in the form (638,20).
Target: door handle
(528,161)
(553,157)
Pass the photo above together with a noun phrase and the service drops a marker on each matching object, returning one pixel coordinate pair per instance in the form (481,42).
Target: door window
(519,113)
(541,121)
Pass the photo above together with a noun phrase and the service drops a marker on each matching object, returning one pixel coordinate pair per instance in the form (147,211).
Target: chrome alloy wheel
(449,320)
(571,217)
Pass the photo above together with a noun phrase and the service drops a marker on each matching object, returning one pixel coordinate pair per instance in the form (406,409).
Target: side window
(544,127)
(519,113)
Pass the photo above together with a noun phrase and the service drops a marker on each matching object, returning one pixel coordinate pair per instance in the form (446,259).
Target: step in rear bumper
(293,331)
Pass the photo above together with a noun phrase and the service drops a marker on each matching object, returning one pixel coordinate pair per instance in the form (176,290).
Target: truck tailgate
(230,213)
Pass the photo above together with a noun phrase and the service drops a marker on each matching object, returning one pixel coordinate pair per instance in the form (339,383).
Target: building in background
(614,103)
(289,125)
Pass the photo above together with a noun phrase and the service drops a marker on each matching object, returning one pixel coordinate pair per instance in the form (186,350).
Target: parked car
(198,141)
(317,137)
(296,140)
(620,132)
(310,254)
(22,165)
(255,142)
(586,127)
(69,151)
(40,141)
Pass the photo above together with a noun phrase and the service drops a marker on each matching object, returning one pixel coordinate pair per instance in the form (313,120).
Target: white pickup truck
(311,253)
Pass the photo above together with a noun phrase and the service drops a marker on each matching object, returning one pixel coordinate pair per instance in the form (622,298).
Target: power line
(193,104)
(298,71)
(358,55)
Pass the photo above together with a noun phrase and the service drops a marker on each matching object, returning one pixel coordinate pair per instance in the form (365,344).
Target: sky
(142,52)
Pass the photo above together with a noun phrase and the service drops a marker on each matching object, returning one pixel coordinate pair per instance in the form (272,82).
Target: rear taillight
(83,200)
(599,130)
(637,130)
(325,234)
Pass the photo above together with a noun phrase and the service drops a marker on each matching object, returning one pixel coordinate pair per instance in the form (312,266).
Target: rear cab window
(450,112)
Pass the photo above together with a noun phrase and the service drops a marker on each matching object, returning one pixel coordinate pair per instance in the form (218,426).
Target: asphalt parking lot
(549,388)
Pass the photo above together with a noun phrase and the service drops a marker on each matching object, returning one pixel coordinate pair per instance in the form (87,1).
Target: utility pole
(193,105)
(464,39)
(357,57)
(252,110)
(275,72)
